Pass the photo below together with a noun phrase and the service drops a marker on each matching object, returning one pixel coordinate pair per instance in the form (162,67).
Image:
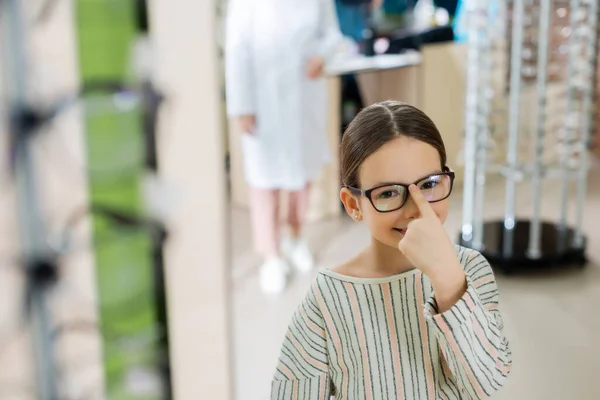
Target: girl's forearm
(449,285)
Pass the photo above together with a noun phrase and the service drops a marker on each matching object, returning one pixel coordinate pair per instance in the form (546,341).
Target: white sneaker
(273,275)
(299,254)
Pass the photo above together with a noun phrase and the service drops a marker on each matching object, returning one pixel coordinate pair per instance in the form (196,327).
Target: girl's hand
(429,248)
(426,243)
(315,67)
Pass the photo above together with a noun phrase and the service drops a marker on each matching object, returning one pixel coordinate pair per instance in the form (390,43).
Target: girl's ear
(351,204)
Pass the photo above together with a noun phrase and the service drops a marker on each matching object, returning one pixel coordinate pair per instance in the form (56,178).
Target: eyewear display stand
(532,130)
(41,261)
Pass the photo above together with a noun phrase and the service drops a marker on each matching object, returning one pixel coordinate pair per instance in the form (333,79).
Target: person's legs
(264,206)
(297,209)
(264,210)
(295,247)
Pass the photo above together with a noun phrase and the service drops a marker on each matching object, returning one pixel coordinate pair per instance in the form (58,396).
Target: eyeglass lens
(389,198)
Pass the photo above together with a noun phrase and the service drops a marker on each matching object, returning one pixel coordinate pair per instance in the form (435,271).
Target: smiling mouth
(400,230)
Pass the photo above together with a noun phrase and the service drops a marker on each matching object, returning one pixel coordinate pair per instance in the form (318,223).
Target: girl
(412,316)
(276,51)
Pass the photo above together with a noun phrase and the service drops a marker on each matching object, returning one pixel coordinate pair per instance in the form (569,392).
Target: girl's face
(403,160)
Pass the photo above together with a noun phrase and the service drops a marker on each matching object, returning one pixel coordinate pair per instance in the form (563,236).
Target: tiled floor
(551,318)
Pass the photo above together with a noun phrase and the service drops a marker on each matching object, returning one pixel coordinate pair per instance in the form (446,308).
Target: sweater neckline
(368,281)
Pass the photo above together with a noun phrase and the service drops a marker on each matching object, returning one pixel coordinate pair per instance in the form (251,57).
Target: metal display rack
(40,262)
(534,129)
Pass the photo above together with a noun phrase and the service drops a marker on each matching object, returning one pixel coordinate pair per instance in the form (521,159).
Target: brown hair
(378,124)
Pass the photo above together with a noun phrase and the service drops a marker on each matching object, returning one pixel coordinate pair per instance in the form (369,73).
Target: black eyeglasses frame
(367,192)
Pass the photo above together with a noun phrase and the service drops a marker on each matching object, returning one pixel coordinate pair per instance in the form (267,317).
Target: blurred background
(127,265)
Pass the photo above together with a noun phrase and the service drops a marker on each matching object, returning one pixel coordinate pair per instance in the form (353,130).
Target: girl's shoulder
(472,261)
(466,254)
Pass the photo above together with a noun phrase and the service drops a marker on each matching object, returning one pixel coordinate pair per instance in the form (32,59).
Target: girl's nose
(410,209)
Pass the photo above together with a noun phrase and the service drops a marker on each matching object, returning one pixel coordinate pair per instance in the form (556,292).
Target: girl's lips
(401,230)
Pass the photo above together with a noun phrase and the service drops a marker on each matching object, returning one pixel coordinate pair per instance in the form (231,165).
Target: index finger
(421,202)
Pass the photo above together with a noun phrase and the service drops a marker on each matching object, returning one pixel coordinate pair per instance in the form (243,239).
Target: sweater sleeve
(302,370)
(239,60)
(471,333)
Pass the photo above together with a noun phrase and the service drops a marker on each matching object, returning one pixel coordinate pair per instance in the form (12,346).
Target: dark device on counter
(367,44)
(355,2)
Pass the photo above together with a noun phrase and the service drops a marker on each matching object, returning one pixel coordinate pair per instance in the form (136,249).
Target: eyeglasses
(390,198)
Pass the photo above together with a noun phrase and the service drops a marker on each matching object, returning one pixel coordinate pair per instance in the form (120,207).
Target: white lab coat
(268,43)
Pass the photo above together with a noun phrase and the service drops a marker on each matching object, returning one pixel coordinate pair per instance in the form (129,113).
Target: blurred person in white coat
(276,51)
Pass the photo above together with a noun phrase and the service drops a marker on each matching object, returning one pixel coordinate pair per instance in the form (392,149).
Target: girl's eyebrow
(379,184)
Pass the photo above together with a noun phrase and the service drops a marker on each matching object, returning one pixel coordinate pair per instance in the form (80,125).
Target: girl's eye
(388,194)
(428,185)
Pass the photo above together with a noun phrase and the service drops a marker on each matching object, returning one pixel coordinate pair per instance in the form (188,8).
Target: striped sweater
(379,339)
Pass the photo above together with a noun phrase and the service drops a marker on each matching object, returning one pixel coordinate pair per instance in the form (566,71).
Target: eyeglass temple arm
(356,191)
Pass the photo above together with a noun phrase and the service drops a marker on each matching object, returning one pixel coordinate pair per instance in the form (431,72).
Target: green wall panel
(106,32)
